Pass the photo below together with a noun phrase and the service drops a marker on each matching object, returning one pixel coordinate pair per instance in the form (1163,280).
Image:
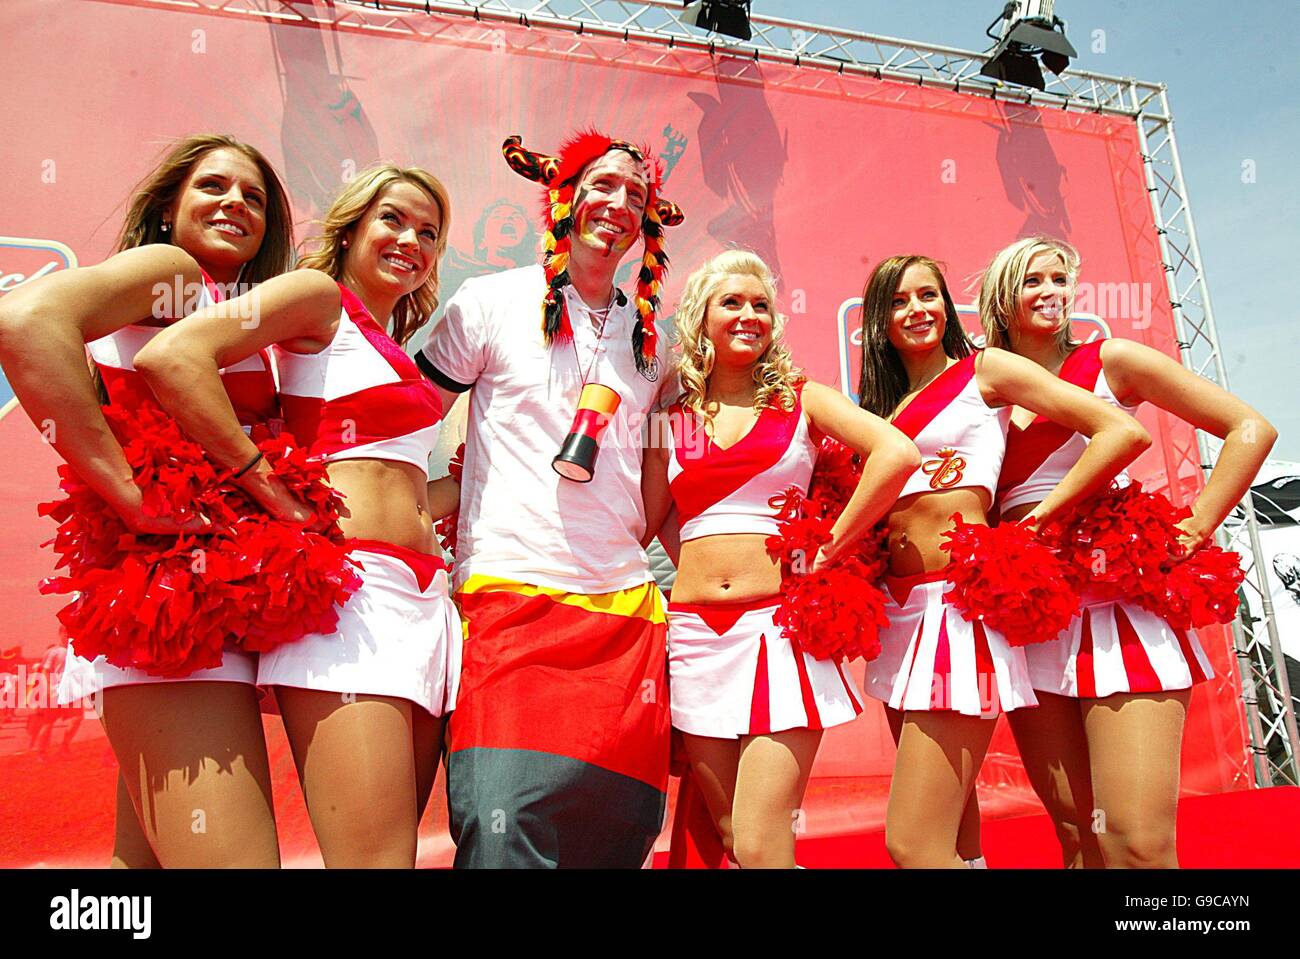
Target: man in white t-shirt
(559,743)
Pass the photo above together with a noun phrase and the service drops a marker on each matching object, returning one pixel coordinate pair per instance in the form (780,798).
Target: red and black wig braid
(555,315)
(649,282)
(654,265)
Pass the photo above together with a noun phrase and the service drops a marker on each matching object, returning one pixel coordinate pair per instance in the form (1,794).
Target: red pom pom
(1119,543)
(279,582)
(149,610)
(139,601)
(1124,543)
(836,612)
(1009,579)
(167,604)
(835,475)
(1201,590)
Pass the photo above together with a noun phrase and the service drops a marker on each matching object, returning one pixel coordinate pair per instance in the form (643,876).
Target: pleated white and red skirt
(932,659)
(398,635)
(1114,646)
(732,673)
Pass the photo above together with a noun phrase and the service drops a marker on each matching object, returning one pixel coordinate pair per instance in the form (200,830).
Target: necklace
(600,337)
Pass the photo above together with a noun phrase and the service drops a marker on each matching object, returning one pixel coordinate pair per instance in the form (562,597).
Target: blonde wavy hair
(414,309)
(999,292)
(775,376)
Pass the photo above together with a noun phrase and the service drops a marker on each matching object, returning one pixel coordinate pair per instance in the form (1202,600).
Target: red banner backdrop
(823,175)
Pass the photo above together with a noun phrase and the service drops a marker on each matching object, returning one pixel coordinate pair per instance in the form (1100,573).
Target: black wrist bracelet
(251,463)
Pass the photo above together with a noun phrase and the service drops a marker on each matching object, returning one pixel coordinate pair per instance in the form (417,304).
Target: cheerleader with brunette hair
(751,700)
(211,215)
(1113,689)
(363,704)
(943,676)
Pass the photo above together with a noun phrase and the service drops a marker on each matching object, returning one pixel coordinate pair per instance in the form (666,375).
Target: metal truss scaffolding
(1270,708)
(655,24)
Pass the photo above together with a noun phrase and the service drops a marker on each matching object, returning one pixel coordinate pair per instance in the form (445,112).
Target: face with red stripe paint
(608,205)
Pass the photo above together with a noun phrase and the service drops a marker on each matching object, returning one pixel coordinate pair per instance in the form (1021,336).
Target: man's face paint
(609,203)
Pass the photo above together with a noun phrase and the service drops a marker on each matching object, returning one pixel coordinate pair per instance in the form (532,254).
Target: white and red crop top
(962,439)
(361,397)
(730,490)
(1039,456)
(250,384)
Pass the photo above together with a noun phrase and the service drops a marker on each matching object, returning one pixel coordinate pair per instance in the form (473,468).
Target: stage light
(728,17)
(1030,32)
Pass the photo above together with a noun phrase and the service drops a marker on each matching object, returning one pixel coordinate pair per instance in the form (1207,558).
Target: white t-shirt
(519,519)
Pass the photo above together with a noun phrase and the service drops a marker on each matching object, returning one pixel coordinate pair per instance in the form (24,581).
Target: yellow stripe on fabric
(639,602)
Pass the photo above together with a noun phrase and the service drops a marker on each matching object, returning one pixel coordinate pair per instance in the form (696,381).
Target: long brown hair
(884,379)
(158,191)
(414,309)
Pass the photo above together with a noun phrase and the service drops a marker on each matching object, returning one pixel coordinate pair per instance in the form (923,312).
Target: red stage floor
(58,811)
(1250,829)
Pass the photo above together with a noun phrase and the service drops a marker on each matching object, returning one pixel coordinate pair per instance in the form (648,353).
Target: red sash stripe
(710,473)
(1029,448)
(1082,368)
(387,347)
(936,396)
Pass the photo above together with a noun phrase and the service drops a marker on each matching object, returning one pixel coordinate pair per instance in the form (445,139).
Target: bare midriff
(727,568)
(735,567)
(917,524)
(1018,512)
(384,500)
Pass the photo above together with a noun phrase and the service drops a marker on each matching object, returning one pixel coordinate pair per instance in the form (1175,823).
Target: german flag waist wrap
(560,740)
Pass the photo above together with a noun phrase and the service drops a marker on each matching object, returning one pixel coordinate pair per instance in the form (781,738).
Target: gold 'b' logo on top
(944,472)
